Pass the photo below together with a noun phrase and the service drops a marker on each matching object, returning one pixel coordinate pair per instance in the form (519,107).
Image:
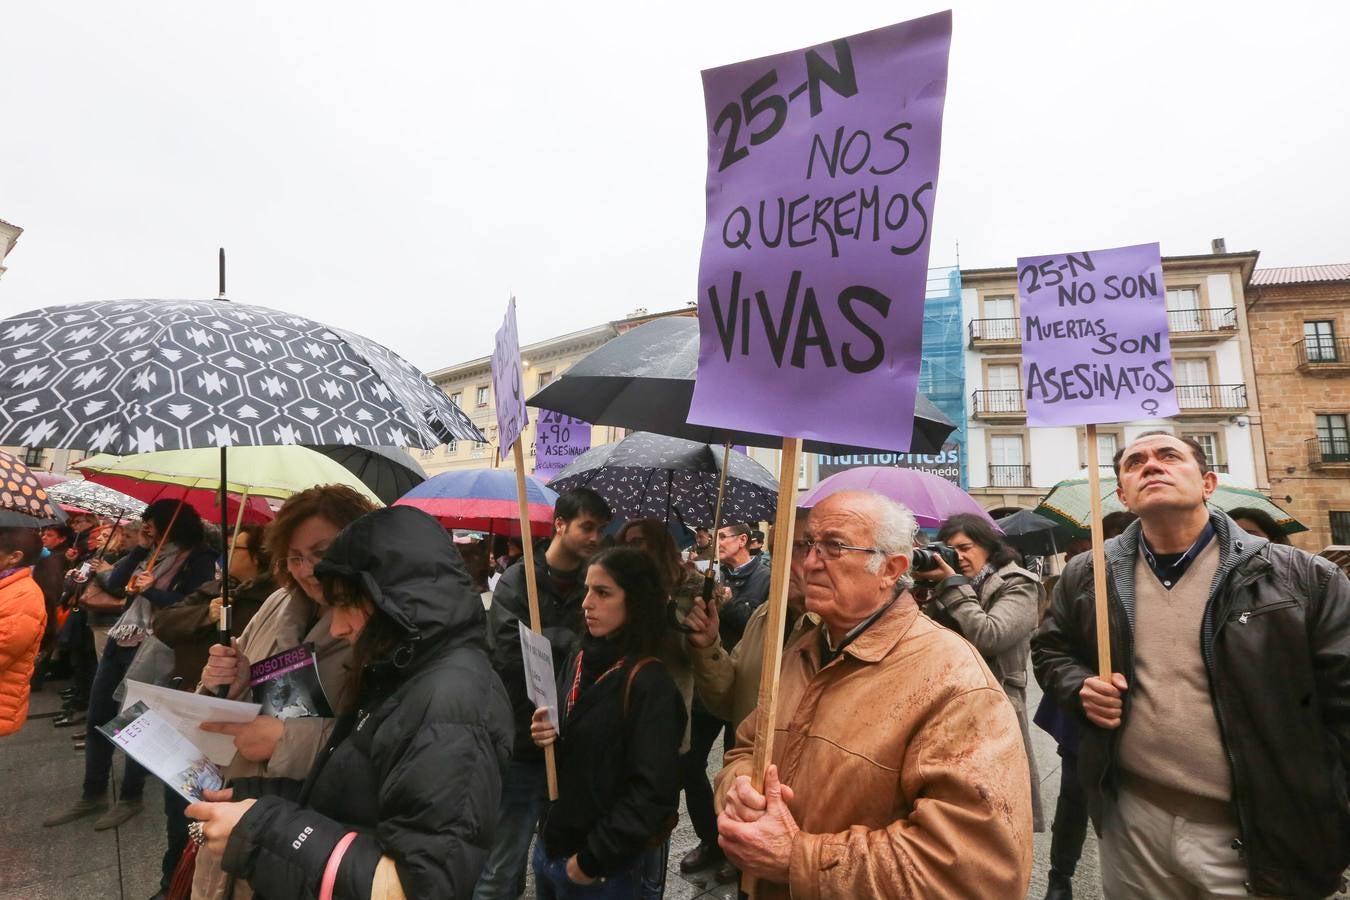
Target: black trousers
(1071,820)
(698,797)
(176,830)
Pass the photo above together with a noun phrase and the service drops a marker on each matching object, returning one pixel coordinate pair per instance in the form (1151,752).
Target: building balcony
(995,333)
(1185,325)
(1323,356)
(999,406)
(1009,476)
(1328,453)
(1202,399)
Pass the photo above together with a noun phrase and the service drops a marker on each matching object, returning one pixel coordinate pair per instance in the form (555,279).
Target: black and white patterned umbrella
(97,499)
(133,376)
(651,475)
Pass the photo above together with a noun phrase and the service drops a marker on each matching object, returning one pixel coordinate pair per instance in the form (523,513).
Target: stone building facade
(1300,326)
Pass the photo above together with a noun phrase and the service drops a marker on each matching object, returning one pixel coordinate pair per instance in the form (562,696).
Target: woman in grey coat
(995,604)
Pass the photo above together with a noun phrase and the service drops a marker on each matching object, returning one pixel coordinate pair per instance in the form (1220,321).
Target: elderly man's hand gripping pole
(757,830)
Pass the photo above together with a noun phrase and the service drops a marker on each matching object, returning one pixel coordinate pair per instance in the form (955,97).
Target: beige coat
(281,623)
(907,764)
(728,683)
(999,621)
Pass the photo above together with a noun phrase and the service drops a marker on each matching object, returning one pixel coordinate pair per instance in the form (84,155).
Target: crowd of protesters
(1212,761)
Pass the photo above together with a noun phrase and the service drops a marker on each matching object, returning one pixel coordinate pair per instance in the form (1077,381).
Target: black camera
(926,557)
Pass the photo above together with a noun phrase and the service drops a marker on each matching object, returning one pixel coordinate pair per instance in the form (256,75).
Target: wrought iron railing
(1201,321)
(1009,476)
(1323,351)
(1212,396)
(1000,402)
(1323,450)
(994,330)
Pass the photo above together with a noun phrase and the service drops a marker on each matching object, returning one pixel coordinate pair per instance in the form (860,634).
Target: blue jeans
(654,861)
(524,790)
(551,881)
(98,750)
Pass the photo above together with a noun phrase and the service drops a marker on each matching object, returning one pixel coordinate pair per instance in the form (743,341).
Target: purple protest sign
(1094,337)
(822,172)
(558,439)
(506,390)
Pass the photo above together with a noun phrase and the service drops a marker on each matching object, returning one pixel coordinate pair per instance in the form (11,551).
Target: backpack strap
(632,673)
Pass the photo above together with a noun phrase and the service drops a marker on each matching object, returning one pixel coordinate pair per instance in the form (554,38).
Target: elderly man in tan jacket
(902,768)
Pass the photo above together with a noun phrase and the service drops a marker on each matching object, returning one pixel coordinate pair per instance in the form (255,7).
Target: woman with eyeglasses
(622,718)
(295,615)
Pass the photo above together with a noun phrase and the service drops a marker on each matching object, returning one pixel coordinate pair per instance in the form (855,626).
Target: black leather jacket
(1276,643)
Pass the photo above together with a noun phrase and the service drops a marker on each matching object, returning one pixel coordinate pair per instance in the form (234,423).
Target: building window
(1007,461)
(1193,387)
(1209,442)
(452,448)
(1000,319)
(544,379)
(1340,528)
(477,450)
(482,400)
(1183,309)
(1108,442)
(1320,341)
(32,457)
(1333,436)
(457,398)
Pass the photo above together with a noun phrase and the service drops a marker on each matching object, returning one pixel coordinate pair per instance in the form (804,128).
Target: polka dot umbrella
(23,501)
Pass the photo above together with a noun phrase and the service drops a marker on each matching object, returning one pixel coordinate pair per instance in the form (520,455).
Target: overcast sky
(398,169)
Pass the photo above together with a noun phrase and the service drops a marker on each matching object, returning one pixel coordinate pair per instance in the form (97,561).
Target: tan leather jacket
(907,764)
(728,683)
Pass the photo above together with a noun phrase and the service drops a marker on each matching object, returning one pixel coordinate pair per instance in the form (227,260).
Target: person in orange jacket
(23,619)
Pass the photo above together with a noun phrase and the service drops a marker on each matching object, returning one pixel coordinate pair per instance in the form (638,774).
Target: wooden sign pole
(785,520)
(532,591)
(1098,557)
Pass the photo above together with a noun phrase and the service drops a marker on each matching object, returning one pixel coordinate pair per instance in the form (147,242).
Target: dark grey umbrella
(644,379)
(390,472)
(1036,535)
(655,476)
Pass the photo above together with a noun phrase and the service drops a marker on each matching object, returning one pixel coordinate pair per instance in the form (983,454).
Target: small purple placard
(1095,347)
(558,439)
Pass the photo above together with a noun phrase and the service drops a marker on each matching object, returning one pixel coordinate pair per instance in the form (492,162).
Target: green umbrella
(1070,502)
(274,472)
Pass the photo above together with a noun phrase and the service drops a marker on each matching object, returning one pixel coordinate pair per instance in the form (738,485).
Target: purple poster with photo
(822,174)
(1094,337)
(506,387)
(558,440)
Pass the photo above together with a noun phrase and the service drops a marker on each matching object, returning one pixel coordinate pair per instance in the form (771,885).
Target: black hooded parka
(416,769)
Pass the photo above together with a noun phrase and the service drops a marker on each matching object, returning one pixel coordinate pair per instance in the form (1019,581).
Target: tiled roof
(1302,274)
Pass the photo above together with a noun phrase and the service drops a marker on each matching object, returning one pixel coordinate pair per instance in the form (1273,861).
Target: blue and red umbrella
(483,500)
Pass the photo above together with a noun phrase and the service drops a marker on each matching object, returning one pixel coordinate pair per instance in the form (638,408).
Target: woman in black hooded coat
(414,772)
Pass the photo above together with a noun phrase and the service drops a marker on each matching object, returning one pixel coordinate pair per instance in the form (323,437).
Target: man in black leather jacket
(1215,757)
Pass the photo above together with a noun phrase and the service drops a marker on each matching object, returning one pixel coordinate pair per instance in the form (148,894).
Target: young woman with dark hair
(995,604)
(403,799)
(622,721)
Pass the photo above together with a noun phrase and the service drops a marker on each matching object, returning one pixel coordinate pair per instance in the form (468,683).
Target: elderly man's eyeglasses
(827,549)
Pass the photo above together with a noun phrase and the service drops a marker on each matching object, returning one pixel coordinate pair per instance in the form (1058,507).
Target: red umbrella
(47,479)
(204,500)
(483,500)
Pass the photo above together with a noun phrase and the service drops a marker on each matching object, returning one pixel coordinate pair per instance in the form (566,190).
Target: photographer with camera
(979,589)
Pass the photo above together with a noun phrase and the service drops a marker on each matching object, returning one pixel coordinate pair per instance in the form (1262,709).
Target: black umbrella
(1036,535)
(390,472)
(132,376)
(655,476)
(644,379)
